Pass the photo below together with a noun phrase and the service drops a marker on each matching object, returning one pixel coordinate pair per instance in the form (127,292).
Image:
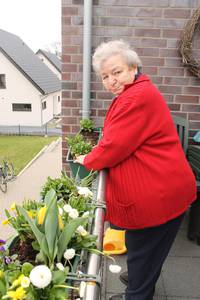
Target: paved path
(28,184)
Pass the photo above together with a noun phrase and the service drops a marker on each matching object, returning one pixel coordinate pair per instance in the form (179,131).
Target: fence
(30,130)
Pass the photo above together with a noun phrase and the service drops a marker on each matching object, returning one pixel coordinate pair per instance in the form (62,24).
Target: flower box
(77,169)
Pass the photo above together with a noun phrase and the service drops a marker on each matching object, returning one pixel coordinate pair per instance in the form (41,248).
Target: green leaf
(49,196)
(51,223)
(66,235)
(45,250)
(59,277)
(26,268)
(2,288)
(7,213)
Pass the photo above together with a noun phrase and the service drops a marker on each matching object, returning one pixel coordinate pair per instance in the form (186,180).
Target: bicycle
(6,174)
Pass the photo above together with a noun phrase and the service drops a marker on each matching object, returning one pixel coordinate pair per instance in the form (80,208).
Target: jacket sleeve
(127,129)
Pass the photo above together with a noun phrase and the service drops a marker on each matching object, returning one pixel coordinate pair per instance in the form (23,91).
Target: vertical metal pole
(92,288)
(87,36)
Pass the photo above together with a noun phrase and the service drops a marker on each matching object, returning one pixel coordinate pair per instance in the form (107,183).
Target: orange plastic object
(114,241)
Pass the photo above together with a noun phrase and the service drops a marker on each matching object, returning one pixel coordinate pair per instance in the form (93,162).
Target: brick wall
(153,28)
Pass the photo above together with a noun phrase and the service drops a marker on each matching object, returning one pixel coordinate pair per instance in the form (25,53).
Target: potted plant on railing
(81,144)
(54,232)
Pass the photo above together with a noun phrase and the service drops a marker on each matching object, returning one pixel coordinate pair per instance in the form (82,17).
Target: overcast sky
(36,22)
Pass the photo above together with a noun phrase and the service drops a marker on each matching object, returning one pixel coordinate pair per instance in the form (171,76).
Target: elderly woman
(149,183)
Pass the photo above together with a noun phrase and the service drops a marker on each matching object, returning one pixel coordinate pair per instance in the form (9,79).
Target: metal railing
(93,288)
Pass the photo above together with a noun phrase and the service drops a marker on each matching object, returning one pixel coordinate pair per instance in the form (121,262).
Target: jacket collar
(140,78)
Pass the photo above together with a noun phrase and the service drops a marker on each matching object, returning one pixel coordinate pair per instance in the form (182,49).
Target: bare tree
(54,47)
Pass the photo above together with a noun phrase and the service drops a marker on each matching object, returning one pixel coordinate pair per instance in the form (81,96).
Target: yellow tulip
(5,222)
(60,222)
(41,215)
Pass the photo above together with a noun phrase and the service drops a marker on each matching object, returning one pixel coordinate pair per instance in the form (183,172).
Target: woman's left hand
(80,159)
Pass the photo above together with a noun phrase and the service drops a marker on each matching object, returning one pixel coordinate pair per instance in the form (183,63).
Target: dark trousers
(147,251)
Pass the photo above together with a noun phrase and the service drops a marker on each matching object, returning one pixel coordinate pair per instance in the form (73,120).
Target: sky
(36,22)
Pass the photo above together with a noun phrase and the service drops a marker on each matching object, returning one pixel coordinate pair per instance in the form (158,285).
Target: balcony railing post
(93,289)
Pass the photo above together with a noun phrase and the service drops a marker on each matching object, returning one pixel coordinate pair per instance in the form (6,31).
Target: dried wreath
(185,46)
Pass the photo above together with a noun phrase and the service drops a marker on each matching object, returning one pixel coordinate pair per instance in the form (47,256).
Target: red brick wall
(153,28)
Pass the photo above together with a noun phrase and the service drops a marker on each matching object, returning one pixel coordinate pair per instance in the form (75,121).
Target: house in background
(51,60)
(29,90)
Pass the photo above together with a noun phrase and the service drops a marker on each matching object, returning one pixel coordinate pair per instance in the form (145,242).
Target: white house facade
(26,100)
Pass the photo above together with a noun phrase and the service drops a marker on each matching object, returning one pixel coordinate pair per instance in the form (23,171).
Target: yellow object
(60,222)
(41,215)
(5,222)
(114,242)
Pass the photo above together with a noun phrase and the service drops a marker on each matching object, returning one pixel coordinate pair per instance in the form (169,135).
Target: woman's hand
(79,159)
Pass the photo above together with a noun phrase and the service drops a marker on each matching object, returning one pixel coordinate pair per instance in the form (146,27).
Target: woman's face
(115,74)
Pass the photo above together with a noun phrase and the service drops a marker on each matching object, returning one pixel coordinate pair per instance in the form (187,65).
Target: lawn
(21,149)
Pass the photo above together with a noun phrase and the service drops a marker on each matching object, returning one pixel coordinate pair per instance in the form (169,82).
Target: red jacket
(149,179)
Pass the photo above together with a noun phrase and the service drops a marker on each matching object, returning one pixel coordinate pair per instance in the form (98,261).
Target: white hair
(108,49)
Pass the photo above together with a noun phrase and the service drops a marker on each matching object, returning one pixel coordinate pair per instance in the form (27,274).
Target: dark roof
(28,63)
(52,57)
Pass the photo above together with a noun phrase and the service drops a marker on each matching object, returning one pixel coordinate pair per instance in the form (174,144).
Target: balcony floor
(180,277)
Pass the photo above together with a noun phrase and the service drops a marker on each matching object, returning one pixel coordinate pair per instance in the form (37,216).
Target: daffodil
(19,294)
(5,222)
(41,215)
(17,282)
(13,206)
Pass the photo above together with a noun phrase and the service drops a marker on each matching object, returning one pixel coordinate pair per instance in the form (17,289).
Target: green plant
(66,186)
(18,282)
(78,146)
(52,237)
(16,220)
(63,186)
(86,125)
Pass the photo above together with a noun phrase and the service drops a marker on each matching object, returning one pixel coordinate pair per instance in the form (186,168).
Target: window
(2,81)
(44,105)
(21,107)
(58,98)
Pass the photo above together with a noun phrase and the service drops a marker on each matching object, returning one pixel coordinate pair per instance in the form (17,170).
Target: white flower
(81,230)
(84,191)
(60,211)
(69,254)
(73,213)
(82,289)
(60,266)
(67,208)
(115,268)
(85,214)
(40,276)
(25,282)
